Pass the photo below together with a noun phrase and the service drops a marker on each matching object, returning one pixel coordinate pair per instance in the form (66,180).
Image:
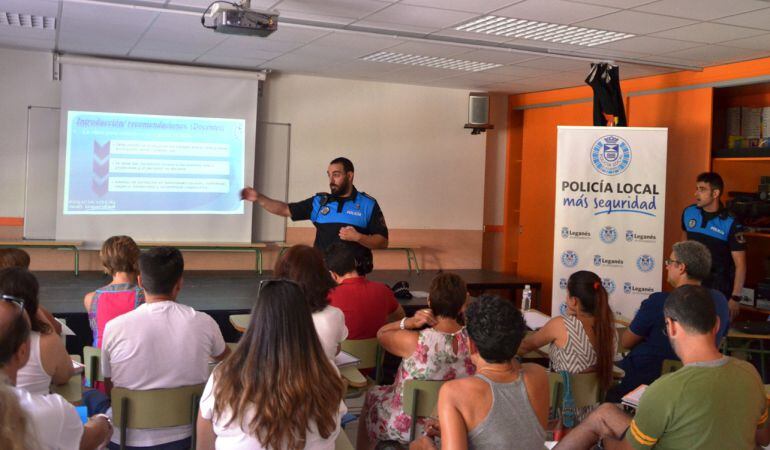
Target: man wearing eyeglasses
(689,264)
(54,423)
(345,214)
(714,402)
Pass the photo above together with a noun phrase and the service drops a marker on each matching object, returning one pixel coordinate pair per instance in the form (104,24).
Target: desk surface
(735,334)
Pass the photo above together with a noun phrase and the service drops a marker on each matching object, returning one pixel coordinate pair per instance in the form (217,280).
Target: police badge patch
(691,223)
(325,210)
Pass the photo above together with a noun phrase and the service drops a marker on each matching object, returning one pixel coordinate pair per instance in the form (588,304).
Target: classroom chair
(585,389)
(670,365)
(155,408)
(73,390)
(420,400)
(343,442)
(92,357)
(371,355)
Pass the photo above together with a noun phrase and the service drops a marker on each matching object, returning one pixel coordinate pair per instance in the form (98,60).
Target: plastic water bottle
(526,298)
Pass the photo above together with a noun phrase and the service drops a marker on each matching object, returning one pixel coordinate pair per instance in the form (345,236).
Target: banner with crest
(610,210)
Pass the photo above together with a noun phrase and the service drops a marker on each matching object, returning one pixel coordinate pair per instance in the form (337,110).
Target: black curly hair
(496,326)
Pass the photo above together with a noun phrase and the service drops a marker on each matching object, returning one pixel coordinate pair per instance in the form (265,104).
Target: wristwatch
(736,297)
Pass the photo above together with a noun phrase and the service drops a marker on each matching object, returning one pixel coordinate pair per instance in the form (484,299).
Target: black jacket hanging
(604,80)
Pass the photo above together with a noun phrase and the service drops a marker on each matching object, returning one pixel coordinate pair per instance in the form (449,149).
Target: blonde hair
(14,427)
(120,254)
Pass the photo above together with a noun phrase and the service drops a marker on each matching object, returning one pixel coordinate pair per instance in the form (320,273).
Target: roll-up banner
(610,210)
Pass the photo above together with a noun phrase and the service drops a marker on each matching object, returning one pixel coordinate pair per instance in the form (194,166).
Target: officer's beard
(340,190)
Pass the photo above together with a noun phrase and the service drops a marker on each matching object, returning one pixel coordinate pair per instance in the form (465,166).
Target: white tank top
(32,377)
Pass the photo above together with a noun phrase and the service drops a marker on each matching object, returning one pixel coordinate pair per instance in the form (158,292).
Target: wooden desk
(255,247)
(60,245)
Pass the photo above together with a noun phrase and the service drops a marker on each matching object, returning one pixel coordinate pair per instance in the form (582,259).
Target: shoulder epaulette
(367,196)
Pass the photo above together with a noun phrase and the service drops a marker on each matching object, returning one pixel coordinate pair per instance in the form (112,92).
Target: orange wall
(687,114)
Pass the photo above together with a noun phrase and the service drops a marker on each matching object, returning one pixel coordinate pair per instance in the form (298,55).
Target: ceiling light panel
(27,21)
(430,61)
(541,31)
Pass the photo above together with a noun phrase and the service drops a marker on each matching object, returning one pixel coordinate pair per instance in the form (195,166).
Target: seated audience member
(367,305)
(160,344)
(305,265)
(278,390)
(584,338)
(713,402)
(16,257)
(689,264)
(439,352)
(15,432)
(505,405)
(120,257)
(49,361)
(52,422)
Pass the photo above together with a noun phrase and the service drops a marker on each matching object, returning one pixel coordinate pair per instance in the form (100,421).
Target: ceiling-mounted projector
(229,18)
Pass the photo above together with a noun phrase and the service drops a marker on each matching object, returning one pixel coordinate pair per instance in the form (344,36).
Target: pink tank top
(109,302)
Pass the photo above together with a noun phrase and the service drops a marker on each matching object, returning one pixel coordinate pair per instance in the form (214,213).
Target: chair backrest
(420,400)
(73,390)
(368,351)
(585,389)
(670,365)
(156,408)
(92,358)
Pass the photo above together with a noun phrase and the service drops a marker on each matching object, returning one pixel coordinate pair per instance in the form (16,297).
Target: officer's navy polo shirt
(719,232)
(330,213)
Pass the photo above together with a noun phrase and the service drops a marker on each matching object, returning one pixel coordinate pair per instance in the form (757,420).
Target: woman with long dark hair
(278,390)
(305,265)
(584,338)
(48,359)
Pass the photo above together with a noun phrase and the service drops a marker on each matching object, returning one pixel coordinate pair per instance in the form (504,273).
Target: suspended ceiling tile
(713,53)
(709,33)
(755,19)
(234,49)
(623,4)
(97,20)
(554,11)
(228,61)
(428,49)
(202,4)
(648,45)
(418,16)
(518,71)
(756,42)
(473,6)
(555,64)
(288,33)
(702,9)
(166,56)
(26,43)
(492,56)
(48,8)
(84,43)
(635,22)
(358,41)
(320,9)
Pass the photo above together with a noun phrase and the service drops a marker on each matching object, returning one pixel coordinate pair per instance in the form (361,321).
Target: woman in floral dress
(439,352)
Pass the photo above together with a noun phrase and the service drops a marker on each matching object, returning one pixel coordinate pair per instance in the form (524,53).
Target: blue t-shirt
(649,324)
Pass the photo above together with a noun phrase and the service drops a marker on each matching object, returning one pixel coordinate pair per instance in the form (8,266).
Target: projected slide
(148,164)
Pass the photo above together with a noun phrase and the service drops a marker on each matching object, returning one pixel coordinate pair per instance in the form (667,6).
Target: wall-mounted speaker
(478,112)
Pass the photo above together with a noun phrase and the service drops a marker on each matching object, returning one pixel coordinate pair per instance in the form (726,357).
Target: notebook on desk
(345,359)
(632,398)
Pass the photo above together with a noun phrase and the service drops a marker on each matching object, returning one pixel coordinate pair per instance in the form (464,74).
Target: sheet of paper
(535,319)
(419,294)
(65,330)
(344,359)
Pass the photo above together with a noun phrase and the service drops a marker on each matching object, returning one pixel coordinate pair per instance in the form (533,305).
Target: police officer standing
(343,215)
(709,222)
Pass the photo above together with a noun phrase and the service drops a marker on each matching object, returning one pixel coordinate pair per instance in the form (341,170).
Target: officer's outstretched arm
(374,241)
(276,207)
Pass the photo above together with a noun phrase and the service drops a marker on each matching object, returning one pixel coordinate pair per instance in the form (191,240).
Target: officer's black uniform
(330,213)
(720,232)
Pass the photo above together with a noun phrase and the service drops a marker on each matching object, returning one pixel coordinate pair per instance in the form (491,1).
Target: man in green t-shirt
(713,402)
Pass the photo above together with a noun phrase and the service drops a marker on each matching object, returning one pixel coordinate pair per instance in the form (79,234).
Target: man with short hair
(344,215)
(689,264)
(161,344)
(710,223)
(713,402)
(54,423)
(367,305)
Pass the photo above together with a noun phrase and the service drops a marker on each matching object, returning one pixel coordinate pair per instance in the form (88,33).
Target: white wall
(25,80)
(407,143)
